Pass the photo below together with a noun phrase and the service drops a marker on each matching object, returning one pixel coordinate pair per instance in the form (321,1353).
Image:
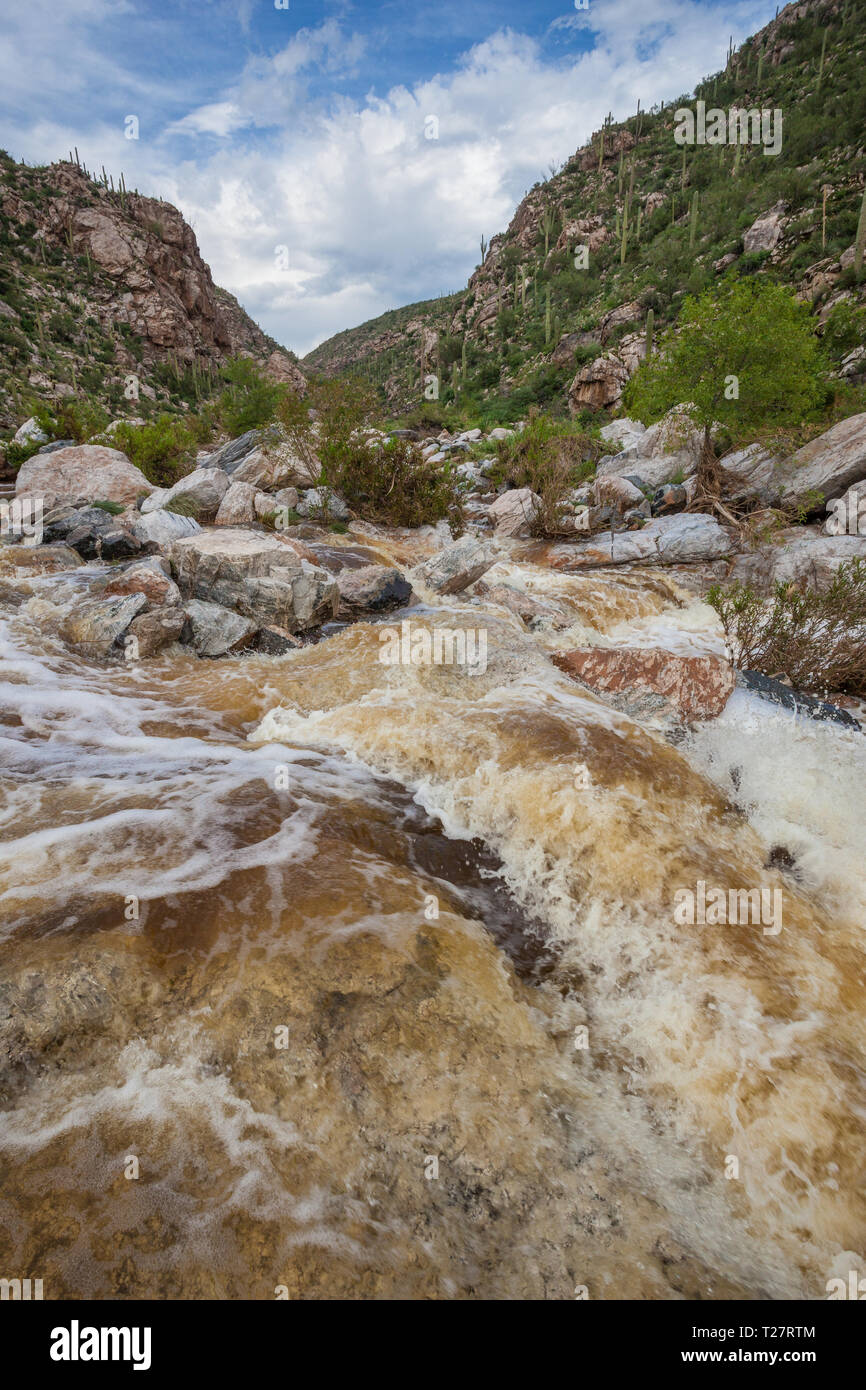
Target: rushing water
(282,935)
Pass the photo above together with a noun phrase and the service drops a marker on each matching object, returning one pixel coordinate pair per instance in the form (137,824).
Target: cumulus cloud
(379,200)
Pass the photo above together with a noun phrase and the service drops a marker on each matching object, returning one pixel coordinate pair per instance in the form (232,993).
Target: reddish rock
(699,686)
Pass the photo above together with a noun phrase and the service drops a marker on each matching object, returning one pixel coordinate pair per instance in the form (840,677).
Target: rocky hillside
(542,322)
(98,283)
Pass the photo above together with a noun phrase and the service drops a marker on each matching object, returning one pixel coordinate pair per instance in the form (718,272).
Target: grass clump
(552,458)
(816,637)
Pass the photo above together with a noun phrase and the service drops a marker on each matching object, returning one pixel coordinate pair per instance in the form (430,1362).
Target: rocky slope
(99,283)
(537,326)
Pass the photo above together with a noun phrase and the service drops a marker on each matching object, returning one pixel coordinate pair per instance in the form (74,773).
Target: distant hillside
(97,283)
(391,349)
(659,221)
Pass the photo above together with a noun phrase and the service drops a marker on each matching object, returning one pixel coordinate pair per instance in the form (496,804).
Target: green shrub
(392,483)
(162,449)
(250,399)
(815,638)
(113,508)
(74,417)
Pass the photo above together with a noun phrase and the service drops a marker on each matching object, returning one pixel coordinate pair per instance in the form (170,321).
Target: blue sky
(338,159)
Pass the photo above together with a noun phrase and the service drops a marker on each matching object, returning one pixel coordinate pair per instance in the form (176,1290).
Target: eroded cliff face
(100,278)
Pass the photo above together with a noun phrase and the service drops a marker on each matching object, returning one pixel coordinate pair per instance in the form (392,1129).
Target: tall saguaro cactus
(693,223)
(860,244)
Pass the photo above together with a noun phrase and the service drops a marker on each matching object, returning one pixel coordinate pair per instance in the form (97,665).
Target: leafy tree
(250,400)
(744,356)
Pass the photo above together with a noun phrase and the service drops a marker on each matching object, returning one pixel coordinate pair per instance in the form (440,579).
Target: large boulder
(255,574)
(456,567)
(215,630)
(93,532)
(765,233)
(229,455)
(800,556)
(666,540)
(96,625)
(85,472)
(667,450)
(161,528)
(373,588)
(199,493)
(598,385)
(146,577)
(238,506)
(816,474)
(45,559)
(31,432)
(698,687)
(514,512)
(825,467)
(155,630)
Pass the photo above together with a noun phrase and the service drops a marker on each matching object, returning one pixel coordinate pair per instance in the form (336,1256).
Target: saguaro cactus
(650,328)
(693,223)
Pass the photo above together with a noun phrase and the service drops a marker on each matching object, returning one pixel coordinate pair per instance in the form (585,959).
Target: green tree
(250,400)
(744,356)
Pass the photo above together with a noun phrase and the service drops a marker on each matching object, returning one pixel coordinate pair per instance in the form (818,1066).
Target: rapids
(371,974)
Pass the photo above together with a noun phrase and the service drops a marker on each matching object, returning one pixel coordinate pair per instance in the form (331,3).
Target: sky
(338,159)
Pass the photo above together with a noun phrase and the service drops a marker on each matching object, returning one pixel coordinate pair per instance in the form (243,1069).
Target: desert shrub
(162,449)
(250,400)
(552,459)
(390,482)
(74,417)
(816,637)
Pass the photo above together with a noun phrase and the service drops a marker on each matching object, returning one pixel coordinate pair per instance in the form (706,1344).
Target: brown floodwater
(332,978)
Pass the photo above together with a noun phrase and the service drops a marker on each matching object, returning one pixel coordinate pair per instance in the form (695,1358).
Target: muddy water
(313,945)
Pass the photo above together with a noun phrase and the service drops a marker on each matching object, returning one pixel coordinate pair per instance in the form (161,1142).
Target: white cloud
(373,213)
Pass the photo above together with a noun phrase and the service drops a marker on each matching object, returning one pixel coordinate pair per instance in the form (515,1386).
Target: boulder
(229,455)
(665,451)
(238,506)
(514,511)
(275,464)
(161,528)
(45,559)
(373,587)
(500,432)
(846,515)
(669,499)
(155,630)
(84,472)
(666,540)
(457,566)
(255,574)
(215,630)
(275,641)
(624,432)
(619,493)
(94,533)
(96,625)
(698,687)
(201,492)
(149,578)
(827,465)
(800,556)
(598,385)
(765,233)
(30,433)
(320,503)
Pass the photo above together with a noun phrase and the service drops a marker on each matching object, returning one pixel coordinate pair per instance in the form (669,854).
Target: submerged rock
(697,686)
(373,587)
(155,630)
